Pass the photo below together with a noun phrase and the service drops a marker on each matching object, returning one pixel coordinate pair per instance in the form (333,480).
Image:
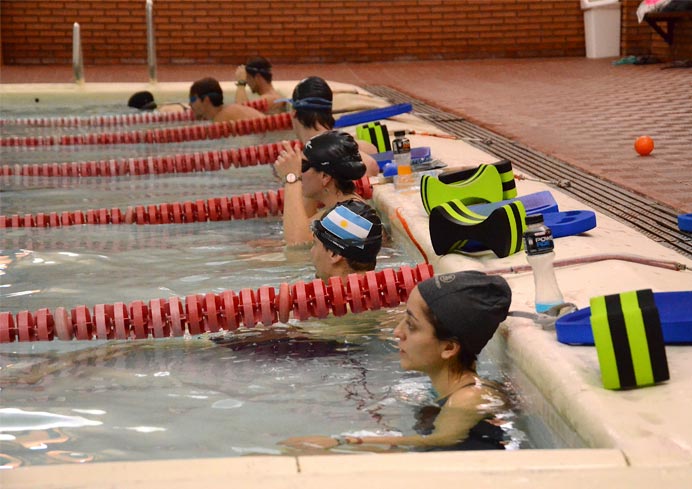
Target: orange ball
(644,145)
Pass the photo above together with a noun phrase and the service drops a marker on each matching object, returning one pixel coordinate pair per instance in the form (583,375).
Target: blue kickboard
(674,309)
(569,223)
(372,115)
(685,222)
(561,224)
(539,202)
(536,203)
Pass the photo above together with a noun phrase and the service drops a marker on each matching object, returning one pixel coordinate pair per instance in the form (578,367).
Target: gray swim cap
(469,306)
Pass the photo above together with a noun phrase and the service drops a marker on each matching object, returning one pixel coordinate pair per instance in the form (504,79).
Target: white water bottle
(539,246)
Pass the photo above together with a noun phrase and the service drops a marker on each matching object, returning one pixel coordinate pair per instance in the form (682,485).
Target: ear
(450,349)
(335,258)
(326,178)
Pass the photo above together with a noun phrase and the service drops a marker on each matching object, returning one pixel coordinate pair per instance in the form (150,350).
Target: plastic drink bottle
(402,153)
(539,246)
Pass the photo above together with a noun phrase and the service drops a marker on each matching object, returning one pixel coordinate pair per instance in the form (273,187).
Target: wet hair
(314,87)
(335,153)
(208,87)
(142,101)
(360,252)
(259,66)
(466,307)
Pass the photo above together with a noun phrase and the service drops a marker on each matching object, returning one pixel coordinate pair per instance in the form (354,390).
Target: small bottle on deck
(402,157)
(402,153)
(539,247)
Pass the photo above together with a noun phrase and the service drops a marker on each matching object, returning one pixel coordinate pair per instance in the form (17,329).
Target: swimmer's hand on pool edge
(324,442)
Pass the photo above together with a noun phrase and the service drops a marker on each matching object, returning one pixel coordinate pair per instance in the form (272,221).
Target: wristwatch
(291,178)
(240,83)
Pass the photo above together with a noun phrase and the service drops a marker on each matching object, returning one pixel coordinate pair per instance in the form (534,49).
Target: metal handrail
(77,57)
(151,41)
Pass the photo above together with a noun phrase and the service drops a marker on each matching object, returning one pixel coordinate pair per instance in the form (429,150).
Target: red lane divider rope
(117,119)
(276,122)
(180,163)
(211,313)
(244,206)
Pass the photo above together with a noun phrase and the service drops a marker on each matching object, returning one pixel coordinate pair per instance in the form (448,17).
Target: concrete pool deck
(640,437)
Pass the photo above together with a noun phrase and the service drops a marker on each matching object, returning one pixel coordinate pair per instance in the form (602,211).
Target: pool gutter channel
(654,220)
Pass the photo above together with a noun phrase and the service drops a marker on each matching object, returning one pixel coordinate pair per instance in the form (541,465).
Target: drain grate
(652,219)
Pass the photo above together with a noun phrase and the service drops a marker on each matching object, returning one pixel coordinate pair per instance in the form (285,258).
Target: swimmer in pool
(257,75)
(449,320)
(145,101)
(322,174)
(346,239)
(206,101)
(311,114)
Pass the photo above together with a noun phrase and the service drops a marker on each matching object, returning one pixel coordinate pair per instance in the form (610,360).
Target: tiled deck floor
(585,112)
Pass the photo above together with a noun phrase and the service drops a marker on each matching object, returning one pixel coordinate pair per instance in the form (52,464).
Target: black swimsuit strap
(443,400)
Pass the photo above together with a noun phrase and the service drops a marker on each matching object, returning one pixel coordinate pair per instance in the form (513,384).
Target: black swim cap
(142,101)
(468,305)
(335,153)
(315,92)
(351,229)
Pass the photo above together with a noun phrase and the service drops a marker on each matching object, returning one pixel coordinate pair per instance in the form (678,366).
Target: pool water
(184,397)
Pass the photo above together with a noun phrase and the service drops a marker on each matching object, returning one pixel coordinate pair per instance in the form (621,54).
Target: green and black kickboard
(629,339)
(482,187)
(452,225)
(504,168)
(375,133)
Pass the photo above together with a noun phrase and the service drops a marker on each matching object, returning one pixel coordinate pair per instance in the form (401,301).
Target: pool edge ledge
(259,471)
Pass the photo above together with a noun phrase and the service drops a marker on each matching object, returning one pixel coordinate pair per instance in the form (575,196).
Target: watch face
(291,178)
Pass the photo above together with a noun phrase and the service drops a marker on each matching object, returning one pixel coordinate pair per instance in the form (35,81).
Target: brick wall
(291,30)
(635,38)
(295,31)
(641,39)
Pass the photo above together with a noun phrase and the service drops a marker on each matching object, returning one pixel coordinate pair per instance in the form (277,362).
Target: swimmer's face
(197,106)
(419,348)
(322,259)
(252,82)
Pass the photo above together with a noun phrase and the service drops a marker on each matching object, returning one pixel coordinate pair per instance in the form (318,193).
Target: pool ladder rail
(78,56)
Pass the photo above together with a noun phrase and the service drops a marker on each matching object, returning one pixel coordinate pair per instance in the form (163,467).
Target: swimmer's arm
(451,426)
(240,92)
(274,106)
(296,222)
(366,149)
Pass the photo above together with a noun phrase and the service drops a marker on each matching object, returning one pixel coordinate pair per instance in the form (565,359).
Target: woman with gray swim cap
(449,319)
(323,173)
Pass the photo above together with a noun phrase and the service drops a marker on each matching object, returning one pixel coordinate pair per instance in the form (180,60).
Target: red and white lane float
(117,119)
(212,313)
(218,130)
(180,163)
(244,206)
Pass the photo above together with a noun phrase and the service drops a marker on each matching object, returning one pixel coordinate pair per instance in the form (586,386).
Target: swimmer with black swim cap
(449,319)
(145,101)
(323,173)
(347,239)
